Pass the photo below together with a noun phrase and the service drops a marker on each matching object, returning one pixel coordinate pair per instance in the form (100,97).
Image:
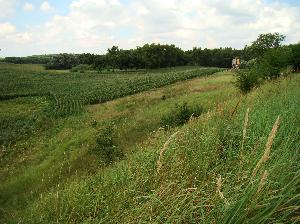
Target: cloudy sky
(30,27)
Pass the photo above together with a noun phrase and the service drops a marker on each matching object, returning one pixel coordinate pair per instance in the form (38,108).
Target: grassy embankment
(204,172)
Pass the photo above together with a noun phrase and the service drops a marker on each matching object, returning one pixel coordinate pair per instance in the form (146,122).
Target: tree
(296,55)
(263,43)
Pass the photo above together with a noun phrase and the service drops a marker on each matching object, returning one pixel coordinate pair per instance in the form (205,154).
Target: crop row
(69,93)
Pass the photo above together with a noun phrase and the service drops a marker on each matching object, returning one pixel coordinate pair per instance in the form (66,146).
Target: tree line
(148,56)
(34,59)
(163,55)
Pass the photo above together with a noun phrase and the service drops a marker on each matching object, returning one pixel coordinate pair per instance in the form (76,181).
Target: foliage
(274,60)
(220,57)
(263,43)
(106,145)
(35,59)
(63,61)
(148,56)
(248,64)
(296,55)
(246,80)
(158,56)
(180,114)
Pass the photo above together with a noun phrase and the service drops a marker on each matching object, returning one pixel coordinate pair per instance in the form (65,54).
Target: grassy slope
(185,188)
(62,180)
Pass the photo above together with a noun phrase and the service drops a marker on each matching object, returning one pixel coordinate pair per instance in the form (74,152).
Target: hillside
(178,145)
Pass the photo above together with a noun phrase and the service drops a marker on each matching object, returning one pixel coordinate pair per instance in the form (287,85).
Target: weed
(180,114)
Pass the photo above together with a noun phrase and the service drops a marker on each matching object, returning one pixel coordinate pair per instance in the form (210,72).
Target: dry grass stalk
(219,185)
(263,181)
(246,121)
(267,152)
(161,153)
(235,108)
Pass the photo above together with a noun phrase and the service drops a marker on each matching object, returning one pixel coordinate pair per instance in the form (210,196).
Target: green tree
(263,43)
(296,55)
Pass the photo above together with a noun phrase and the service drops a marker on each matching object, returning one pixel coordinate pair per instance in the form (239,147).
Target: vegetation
(168,145)
(115,164)
(148,56)
(35,59)
(181,114)
(81,68)
(67,93)
(268,60)
(263,43)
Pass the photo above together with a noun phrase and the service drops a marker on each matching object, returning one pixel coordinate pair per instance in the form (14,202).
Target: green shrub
(106,146)
(180,114)
(248,64)
(296,55)
(247,80)
(272,64)
(274,60)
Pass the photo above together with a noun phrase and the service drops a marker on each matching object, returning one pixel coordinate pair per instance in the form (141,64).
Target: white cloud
(46,7)
(6,29)
(95,25)
(9,36)
(28,7)
(7,8)
(22,38)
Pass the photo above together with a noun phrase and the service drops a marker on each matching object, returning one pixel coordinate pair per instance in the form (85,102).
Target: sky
(31,27)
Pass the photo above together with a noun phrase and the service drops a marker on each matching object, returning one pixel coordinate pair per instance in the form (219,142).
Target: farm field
(67,93)
(111,148)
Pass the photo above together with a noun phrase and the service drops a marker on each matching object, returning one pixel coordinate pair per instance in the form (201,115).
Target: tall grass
(204,178)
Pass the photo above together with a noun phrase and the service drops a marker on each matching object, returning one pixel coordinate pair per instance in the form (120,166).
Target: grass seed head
(268,147)
(161,153)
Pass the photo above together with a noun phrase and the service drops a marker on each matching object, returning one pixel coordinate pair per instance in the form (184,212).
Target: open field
(105,158)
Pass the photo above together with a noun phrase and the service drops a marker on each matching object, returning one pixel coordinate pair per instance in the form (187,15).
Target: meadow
(113,148)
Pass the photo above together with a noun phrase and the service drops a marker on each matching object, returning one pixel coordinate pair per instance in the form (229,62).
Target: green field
(95,148)
(67,93)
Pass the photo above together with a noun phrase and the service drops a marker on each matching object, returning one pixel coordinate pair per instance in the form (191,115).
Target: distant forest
(159,56)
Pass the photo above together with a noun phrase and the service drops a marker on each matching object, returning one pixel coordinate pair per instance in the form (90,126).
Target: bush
(63,61)
(247,80)
(296,56)
(106,146)
(272,64)
(274,60)
(81,68)
(248,64)
(180,114)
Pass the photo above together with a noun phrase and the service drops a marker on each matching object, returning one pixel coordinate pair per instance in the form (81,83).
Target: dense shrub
(248,64)
(106,146)
(246,80)
(180,114)
(63,61)
(275,62)
(295,56)
(276,59)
